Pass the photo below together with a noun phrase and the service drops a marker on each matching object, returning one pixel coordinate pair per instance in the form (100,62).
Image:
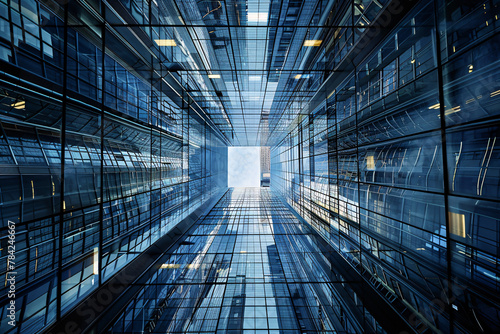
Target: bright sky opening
(243,166)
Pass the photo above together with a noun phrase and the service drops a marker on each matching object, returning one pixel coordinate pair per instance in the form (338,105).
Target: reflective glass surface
(248,265)
(381,117)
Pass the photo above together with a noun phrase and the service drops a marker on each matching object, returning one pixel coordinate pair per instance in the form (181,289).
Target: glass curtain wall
(99,158)
(398,165)
(251,266)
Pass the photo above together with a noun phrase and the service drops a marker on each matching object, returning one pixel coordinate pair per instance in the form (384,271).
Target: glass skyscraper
(379,121)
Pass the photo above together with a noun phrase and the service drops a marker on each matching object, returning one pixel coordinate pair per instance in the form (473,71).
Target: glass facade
(397,164)
(381,118)
(97,162)
(248,265)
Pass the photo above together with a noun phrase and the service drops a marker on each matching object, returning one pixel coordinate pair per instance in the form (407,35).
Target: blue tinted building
(382,120)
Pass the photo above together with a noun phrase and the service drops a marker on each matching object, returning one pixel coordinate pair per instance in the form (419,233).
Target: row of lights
(171,42)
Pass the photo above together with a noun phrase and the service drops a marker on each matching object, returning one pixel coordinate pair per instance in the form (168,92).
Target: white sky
(243,169)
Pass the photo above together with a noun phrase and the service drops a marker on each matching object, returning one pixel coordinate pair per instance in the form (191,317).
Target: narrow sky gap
(243,166)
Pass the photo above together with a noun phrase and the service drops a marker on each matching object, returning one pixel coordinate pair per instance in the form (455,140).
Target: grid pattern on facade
(249,265)
(397,166)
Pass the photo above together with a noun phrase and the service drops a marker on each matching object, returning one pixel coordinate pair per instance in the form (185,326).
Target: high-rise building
(378,210)
(265,166)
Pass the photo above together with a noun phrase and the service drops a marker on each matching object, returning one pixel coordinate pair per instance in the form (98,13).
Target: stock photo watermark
(11,273)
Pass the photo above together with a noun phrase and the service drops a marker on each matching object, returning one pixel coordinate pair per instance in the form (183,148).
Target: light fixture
(370,162)
(495,93)
(19,104)
(165,42)
(452,111)
(214,76)
(312,42)
(457,223)
(298,76)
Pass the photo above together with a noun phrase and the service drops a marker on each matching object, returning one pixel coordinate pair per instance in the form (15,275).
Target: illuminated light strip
(452,111)
(312,42)
(487,164)
(456,166)
(495,93)
(165,42)
(19,105)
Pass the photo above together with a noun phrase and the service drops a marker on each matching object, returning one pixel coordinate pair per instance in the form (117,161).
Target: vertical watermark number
(11,273)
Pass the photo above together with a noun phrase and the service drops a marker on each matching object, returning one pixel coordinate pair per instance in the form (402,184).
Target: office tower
(265,166)
(382,122)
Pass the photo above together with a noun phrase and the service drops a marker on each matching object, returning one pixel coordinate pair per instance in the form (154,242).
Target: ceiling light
(19,104)
(257,17)
(214,76)
(495,93)
(165,42)
(312,42)
(298,76)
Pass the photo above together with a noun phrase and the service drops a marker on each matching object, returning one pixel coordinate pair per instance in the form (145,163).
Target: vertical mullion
(449,287)
(63,157)
(102,122)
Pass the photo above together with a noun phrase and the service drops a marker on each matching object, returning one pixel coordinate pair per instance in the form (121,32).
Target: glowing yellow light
(457,224)
(298,76)
(19,105)
(312,42)
(165,42)
(495,93)
(413,61)
(214,76)
(452,111)
(435,106)
(370,162)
